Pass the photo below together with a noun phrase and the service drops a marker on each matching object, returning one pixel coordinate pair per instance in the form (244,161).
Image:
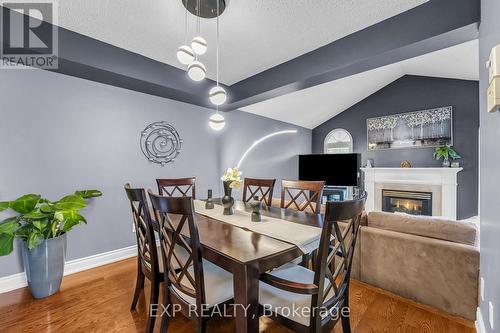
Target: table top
(226,244)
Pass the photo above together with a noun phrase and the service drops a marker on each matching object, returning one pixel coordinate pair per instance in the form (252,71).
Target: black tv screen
(335,169)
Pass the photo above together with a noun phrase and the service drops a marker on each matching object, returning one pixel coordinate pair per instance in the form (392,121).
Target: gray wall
(270,158)
(59,133)
(489,169)
(412,93)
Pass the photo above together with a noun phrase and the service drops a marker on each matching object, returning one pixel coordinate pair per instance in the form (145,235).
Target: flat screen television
(335,169)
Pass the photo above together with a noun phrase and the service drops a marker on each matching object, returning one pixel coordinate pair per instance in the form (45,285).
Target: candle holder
(209,204)
(255,204)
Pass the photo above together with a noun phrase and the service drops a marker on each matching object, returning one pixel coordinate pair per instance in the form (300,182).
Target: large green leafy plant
(445,153)
(40,219)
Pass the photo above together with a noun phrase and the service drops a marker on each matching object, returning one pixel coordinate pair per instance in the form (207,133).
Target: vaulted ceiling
(300,61)
(255,34)
(312,106)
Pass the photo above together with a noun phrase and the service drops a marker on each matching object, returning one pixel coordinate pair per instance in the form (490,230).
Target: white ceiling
(255,34)
(313,106)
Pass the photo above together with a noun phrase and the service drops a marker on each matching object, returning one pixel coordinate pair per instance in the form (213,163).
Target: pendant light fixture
(216,121)
(196,70)
(185,54)
(198,44)
(217,94)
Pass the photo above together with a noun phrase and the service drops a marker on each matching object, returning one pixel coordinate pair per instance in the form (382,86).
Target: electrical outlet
(491,312)
(481,288)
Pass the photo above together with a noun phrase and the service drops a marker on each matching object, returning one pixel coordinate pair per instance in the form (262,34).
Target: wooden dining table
(247,254)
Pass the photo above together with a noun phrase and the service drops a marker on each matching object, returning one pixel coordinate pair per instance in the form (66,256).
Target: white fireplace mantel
(443,178)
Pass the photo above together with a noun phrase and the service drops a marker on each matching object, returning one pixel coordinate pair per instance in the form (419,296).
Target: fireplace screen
(415,203)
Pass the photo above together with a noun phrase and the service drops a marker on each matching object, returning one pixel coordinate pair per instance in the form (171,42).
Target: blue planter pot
(44,266)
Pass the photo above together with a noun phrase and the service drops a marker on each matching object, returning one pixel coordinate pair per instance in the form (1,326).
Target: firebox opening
(415,203)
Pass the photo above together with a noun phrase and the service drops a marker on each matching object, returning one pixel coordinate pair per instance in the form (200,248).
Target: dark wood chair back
(263,188)
(329,289)
(334,259)
(176,215)
(146,243)
(302,195)
(183,187)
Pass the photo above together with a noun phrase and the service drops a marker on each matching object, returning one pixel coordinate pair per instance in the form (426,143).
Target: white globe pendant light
(197,71)
(199,45)
(217,95)
(216,121)
(185,55)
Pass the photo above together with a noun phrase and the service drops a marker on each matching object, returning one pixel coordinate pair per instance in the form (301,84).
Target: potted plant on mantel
(42,226)
(445,153)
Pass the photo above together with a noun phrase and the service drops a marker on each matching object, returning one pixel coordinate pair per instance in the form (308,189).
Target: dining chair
(324,291)
(148,265)
(302,195)
(199,285)
(263,188)
(177,187)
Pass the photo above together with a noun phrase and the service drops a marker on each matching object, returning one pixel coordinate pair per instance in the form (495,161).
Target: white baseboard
(82,264)
(480,328)
(11,282)
(16,281)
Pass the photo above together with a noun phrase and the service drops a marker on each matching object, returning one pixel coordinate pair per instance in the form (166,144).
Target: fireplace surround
(441,182)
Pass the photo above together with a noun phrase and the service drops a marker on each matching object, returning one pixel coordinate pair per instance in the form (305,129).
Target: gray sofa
(429,260)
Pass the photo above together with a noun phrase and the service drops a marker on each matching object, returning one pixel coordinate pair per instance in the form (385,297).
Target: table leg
(246,299)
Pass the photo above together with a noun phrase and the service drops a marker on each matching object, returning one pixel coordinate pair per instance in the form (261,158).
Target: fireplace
(415,203)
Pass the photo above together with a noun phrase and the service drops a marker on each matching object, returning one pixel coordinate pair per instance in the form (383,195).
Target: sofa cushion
(426,226)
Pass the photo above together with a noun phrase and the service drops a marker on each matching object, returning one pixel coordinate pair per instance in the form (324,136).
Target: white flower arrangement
(233,176)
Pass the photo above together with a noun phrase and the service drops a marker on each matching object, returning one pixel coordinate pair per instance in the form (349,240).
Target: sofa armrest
(435,272)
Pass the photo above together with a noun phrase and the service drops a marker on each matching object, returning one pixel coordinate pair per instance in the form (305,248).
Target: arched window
(338,141)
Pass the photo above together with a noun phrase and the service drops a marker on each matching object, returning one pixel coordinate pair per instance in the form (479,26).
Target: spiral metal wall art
(160,143)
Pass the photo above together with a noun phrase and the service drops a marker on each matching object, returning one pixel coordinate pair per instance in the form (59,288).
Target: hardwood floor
(98,300)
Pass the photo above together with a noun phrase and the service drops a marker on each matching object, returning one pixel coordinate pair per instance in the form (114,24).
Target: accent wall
(413,93)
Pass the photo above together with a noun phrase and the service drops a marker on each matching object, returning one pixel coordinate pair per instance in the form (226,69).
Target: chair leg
(165,319)
(139,285)
(202,326)
(314,254)
(153,299)
(346,324)
(305,260)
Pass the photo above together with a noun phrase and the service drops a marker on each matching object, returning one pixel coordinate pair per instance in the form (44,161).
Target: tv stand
(339,193)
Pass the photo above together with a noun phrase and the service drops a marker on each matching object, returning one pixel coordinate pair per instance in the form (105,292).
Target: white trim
(16,281)
(82,264)
(480,328)
(11,282)
(446,178)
